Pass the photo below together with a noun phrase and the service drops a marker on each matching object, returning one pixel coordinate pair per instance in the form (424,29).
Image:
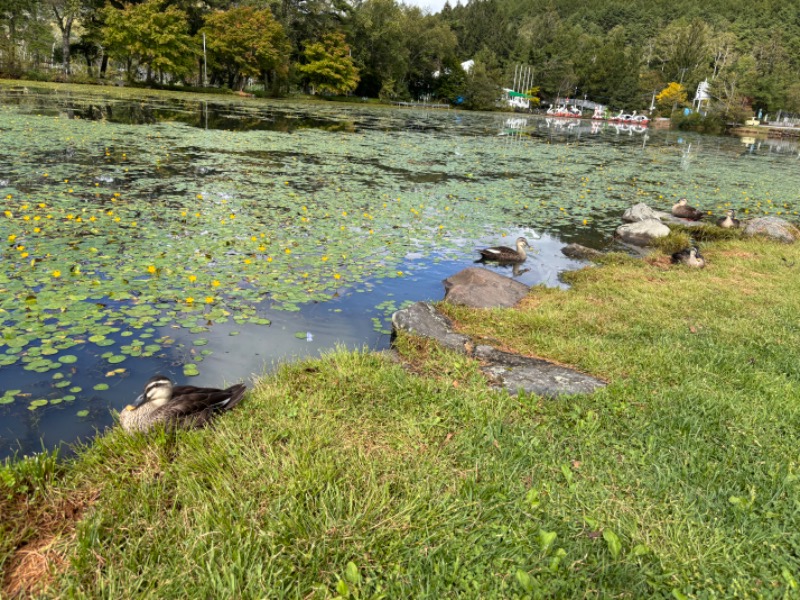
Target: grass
(352,476)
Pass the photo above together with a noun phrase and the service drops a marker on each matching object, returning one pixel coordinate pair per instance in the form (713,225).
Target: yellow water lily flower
(56,273)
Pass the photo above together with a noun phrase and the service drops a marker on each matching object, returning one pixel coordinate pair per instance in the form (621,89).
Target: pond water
(210,238)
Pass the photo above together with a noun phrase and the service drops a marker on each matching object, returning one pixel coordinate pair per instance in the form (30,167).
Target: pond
(210,238)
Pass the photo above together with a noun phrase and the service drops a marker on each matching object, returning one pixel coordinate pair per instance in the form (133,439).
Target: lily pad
(190,370)
(100,387)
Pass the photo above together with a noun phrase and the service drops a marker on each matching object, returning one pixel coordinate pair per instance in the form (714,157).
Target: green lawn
(352,475)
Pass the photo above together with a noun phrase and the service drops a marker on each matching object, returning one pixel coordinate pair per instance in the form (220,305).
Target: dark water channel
(553,181)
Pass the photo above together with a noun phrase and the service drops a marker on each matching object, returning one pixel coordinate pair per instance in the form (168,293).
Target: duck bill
(139,401)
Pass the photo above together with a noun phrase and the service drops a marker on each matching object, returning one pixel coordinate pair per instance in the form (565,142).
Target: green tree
(329,67)
(611,75)
(247,42)
(25,35)
(684,51)
(66,12)
(151,36)
(430,43)
(483,82)
(381,51)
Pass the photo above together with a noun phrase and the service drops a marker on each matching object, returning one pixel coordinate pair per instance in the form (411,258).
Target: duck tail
(237,393)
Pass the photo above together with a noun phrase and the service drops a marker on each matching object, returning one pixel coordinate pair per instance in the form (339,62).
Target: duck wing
(681,256)
(194,407)
(497,252)
(687,212)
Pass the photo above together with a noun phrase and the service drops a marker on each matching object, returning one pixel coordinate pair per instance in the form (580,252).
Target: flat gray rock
(534,375)
(578,252)
(424,320)
(642,233)
(482,288)
(639,212)
(774,228)
(511,371)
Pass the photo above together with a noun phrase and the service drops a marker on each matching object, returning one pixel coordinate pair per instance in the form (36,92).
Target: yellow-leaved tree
(671,96)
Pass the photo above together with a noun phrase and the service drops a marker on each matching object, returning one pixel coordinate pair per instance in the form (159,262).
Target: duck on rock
(690,257)
(182,406)
(684,211)
(506,254)
(729,221)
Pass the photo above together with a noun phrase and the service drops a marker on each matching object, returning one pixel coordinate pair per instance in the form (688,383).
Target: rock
(639,212)
(642,233)
(670,218)
(578,252)
(534,375)
(774,228)
(482,288)
(511,371)
(424,320)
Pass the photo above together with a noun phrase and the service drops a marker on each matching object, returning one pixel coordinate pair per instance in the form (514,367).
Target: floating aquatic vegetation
(112,233)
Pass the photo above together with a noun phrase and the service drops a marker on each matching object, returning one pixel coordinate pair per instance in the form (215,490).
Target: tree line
(620,53)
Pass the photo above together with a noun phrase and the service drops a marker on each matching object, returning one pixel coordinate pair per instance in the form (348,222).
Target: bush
(711,122)
(674,242)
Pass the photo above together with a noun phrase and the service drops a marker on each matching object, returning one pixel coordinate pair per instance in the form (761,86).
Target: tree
(684,51)
(381,51)
(24,32)
(483,82)
(66,12)
(430,44)
(247,42)
(150,36)
(611,75)
(672,95)
(329,67)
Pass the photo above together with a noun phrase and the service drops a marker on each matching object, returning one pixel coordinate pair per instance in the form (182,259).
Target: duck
(506,254)
(690,257)
(729,221)
(684,211)
(183,406)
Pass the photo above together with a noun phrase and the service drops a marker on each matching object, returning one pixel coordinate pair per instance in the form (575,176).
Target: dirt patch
(41,555)
(661,261)
(736,254)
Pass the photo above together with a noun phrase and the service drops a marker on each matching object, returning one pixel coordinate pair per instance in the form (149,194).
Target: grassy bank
(352,475)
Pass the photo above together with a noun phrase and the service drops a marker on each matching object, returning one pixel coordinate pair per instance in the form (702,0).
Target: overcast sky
(431,5)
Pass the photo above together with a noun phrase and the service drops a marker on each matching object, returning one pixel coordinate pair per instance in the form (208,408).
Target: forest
(624,54)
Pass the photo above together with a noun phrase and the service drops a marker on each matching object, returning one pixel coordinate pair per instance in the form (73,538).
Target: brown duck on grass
(506,254)
(690,257)
(182,406)
(728,221)
(684,211)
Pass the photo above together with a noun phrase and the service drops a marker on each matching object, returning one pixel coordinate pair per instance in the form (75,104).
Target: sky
(431,5)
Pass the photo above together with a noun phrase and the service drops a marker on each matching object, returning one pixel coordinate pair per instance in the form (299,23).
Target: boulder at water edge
(639,212)
(642,232)
(482,288)
(774,228)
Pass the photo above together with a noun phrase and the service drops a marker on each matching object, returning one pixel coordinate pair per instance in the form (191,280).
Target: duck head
(157,392)
(522,243)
